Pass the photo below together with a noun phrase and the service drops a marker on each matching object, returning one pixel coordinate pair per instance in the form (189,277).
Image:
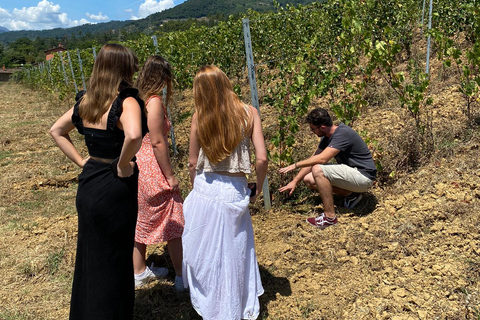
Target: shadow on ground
(366,206)
(272,285)
(159,301)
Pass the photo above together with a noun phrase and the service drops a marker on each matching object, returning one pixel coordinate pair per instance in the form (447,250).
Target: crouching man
(351,176)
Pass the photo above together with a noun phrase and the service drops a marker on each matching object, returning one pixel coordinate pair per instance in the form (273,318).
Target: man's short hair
(319,117)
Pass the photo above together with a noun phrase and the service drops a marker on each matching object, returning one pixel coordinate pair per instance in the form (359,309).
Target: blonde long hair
(155,74)
(114,67)
(223,120)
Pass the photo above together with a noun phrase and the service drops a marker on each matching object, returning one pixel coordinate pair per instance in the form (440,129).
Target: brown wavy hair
(155,74)
(223,120)
(112,71)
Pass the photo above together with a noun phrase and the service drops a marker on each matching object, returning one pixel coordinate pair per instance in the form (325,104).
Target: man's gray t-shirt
(353,150)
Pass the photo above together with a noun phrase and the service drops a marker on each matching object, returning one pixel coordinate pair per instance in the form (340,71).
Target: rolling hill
(189,9)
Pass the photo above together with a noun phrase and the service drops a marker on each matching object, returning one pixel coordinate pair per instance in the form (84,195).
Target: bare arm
(324,157)
(60,133)
(306,167)
(155,121)
(261,160)
(131,123)
(194,149)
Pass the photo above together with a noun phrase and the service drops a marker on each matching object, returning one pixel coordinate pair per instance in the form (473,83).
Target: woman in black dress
(110,116)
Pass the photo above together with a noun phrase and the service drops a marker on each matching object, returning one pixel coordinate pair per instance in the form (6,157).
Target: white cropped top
(237,161)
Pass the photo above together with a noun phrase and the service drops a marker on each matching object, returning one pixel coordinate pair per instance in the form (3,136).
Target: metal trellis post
(49,69)
(73,73)
(253,88)
(427,70)
(423,13)
(63,68)
(155,43)
(81,69)
(172,133)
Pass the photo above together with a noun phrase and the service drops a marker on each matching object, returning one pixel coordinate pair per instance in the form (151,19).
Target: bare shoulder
(155,101)
(130,102)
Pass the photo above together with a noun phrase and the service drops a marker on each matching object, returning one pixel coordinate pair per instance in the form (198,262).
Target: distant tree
(23,47)
(3,59)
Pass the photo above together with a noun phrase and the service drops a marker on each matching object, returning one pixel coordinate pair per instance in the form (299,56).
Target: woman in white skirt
(219,261)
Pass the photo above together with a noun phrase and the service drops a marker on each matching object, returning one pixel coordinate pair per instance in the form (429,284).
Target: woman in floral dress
(160,213)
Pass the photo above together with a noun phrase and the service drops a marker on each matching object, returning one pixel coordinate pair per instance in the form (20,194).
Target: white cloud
(4,14)
(152,6)
(75,23)
(45,15)
(97,17)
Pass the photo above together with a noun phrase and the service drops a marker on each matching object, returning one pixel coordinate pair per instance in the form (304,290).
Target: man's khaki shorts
(345,177)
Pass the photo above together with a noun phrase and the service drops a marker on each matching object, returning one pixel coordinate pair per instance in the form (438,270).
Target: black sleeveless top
(108,143)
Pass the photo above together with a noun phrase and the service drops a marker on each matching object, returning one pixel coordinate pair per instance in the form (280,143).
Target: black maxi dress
(103,283)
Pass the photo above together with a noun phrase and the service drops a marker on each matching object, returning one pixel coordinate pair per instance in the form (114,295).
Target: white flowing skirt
(219,260)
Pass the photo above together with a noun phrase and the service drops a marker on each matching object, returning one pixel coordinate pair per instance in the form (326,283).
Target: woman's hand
(125,171)
(85,160)
(173,183)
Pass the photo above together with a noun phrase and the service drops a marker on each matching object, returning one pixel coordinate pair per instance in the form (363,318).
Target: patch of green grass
(8,315)
(5,163)
(13,225)
(29,226)
(53,261)
(5,154)
(28,270)
(31,204)
(24,124)
(306,309)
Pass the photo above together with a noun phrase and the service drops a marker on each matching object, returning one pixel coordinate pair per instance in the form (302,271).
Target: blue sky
(49,14)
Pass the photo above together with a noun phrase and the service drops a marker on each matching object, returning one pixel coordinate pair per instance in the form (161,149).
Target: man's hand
(289,187)
(287,169)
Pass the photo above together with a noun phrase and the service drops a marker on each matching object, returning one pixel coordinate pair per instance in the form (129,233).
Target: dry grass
(410,250)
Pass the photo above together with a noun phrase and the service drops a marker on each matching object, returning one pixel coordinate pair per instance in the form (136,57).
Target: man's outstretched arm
(306,167)
(324,157)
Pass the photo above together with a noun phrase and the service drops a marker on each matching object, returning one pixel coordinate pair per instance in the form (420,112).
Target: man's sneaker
(149,275)
(352,200)
(322,221)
